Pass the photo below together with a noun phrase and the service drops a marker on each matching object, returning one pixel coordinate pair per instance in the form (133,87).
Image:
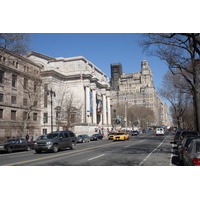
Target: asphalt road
(146,149)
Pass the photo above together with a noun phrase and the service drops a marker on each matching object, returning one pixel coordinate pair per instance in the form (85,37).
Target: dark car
(183,147)
(134,132)
(18,144)
(177,135)
(96,137)
(83,138)
(191,157)
(184,134)
(55,141)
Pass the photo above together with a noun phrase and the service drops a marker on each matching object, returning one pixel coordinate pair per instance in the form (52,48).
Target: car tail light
(183,150)
(196,161)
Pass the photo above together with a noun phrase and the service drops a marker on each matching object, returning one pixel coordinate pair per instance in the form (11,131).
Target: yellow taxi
(110,135)
(127,135)
(120,136)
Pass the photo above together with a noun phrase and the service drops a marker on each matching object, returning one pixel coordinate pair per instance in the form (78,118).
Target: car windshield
(49,136)
(188,141)
(198,146)
(95,135)
(189,133)
(178,134)
(80,136)
(42,137)
(119,133)
(10,141)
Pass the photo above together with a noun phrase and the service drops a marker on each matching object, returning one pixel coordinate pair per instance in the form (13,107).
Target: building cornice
(24,58)
(63,77)
(48,58)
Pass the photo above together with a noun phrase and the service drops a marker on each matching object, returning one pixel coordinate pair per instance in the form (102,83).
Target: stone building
(19,96)
(76,94)
(138,88)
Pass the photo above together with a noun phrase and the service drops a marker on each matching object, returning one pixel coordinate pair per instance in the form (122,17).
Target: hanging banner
(91,103)
(99,104)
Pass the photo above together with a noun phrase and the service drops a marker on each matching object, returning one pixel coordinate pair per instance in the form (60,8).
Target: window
(35,103)
(14,80)
(1,97)
(71,134)
(26,116)
(1,113)
(13,114)
(35,87)
(45,118)
(34,116)
(66,134)
(25,102)
(1,76)
(13,99)
(45,95)
(25,83)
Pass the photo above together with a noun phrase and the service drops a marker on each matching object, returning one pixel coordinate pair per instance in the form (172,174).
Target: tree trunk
(197,95)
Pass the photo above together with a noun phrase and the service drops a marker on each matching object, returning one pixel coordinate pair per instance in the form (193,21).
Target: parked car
(18,144)
(185,133)
(191,157)
(110,135)
(83,138)
(177,135)
(183,147)
(120,136)
(55,141)
(96,137)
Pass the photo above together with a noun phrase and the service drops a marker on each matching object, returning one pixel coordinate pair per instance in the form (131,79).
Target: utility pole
(51,93)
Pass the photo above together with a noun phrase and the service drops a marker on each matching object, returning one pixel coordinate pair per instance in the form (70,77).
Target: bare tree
(31,103)
(176,91)
(70,108)
(136,115)
(182,53)
(15,42)
(140,115)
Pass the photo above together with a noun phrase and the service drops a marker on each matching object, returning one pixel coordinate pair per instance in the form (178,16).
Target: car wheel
(72,147)
(83,141)
(55,148)
(28,148)
(9,149)
(37,151)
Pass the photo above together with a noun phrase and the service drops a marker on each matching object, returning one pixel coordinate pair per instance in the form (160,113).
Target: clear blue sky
(101,49)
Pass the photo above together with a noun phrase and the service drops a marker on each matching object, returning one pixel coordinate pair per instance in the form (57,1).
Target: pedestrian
(27,137)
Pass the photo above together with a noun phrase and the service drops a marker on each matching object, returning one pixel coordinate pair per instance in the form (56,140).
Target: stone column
(109,114)
(87,103)
(104,108)
(94,107)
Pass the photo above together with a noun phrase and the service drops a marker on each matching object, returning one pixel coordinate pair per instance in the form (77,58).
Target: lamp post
(51,93)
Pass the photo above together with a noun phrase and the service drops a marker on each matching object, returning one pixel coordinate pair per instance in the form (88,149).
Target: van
(160,131)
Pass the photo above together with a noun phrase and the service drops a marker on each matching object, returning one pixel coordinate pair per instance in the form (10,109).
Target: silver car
(83,138)
(191,157)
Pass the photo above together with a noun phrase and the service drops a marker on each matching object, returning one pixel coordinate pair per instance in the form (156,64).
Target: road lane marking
(71,152)
(153,151)
(96,157)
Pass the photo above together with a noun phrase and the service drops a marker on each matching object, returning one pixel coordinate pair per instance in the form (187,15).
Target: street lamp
(51,93)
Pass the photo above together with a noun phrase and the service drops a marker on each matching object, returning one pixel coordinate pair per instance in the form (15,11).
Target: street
(146,149)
